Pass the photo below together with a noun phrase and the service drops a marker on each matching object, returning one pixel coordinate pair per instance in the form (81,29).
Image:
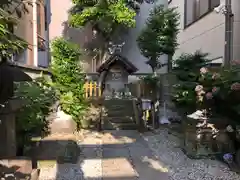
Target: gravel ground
(166,147)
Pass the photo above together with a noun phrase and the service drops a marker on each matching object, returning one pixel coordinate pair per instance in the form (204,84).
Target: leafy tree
(68,78)
(9,43)
(31,119)
(17,7)
(104,15)
(160,35)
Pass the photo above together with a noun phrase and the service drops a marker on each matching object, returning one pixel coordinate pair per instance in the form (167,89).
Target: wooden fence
(150,91)
(141,89)
(92,90)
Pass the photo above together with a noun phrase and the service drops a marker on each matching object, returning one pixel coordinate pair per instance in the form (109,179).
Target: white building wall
(207,34)
(236,30)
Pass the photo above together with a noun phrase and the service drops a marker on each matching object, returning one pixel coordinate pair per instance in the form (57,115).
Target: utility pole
(163,92)
(35,33)
(229,17)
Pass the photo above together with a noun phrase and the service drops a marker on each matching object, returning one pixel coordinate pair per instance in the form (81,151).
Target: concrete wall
(236,30)
(58,27)
(32,72)
(207,34)
(130,49)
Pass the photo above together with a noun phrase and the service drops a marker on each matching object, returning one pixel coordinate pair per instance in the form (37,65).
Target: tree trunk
(170,63)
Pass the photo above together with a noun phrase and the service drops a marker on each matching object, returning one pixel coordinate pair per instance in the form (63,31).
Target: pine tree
(187,74)
(160,35)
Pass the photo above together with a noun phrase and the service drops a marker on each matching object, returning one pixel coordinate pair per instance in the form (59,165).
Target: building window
(195,9)
(20,57)
(46,19)
(39,19)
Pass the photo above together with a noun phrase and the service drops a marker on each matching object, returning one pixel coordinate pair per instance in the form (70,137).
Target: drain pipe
(35,34)
(228,33)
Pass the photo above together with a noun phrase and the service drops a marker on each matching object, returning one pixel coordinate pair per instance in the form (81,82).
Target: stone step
(120,119)
(118,100)
(117,104)
(124,126)
(118,108)
(121,114)
(119,126)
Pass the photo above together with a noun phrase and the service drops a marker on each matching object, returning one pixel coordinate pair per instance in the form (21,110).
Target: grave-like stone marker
(7,118)
(8,129)
(70,153)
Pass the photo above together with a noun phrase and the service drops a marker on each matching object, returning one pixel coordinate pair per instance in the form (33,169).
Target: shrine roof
(122,61)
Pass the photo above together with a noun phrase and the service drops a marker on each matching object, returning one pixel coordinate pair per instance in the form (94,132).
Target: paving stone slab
(118,167)
(114,155)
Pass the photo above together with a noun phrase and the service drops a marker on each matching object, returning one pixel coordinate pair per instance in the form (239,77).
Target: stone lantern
(62,123)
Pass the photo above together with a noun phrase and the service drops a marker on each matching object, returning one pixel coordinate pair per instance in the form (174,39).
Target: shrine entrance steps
(119,115)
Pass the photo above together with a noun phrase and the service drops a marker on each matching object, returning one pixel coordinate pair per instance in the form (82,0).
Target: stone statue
(115,47)
(62,123)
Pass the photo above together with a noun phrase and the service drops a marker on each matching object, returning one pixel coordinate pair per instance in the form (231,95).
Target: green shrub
(202,87)
(222,90)
(37,98)
(68,78)
(187,72)
(151,80)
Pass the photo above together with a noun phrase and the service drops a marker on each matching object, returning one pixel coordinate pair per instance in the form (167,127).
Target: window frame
(195,17)
(21,55)
(46,17)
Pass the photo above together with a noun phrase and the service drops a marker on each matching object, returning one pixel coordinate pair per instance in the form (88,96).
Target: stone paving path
(120,155)
(126,155)
(115,155)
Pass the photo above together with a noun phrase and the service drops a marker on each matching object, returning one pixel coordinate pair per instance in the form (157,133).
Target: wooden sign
(116,76)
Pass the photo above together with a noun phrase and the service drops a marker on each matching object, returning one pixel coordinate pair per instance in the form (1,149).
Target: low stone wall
(33,72)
